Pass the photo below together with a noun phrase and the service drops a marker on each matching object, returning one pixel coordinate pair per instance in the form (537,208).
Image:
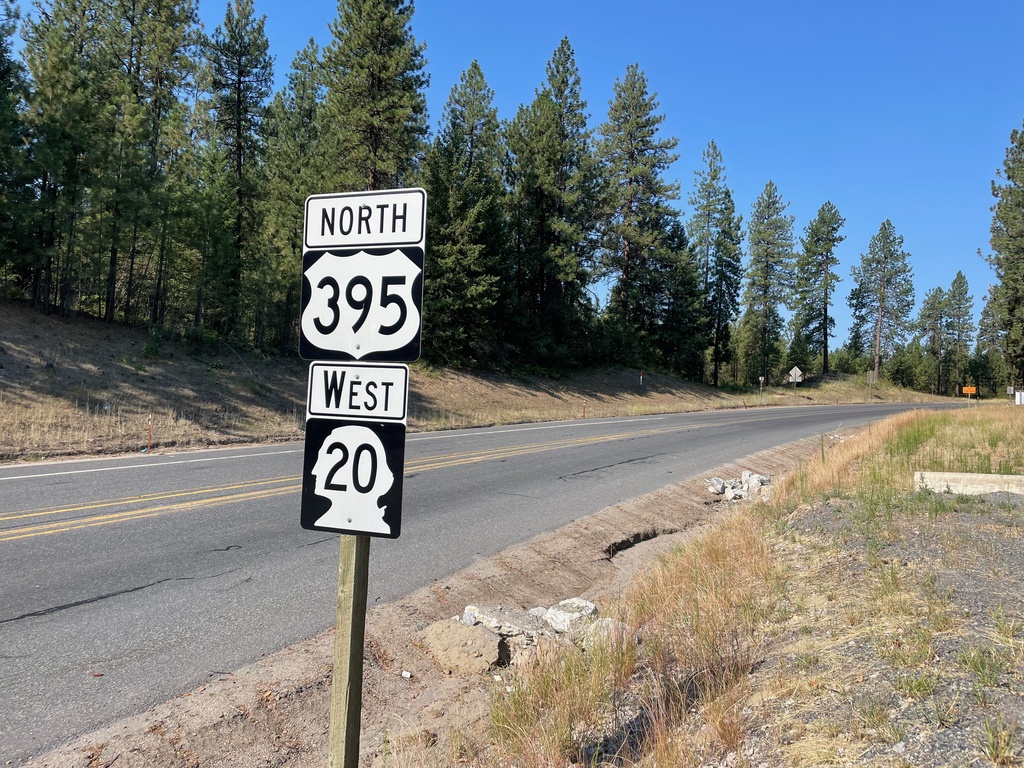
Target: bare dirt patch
(902,642)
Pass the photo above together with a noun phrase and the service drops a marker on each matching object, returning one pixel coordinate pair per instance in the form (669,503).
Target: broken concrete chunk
(507,622)
(716,485)
(571,616)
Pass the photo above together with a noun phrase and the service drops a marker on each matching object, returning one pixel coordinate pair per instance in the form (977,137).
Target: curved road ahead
(128,581)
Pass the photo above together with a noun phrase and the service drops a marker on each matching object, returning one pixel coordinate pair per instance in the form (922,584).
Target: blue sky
(898,110)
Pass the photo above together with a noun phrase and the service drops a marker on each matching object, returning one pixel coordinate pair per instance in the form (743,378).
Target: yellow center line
(64,526)
(144,498)
(419,465)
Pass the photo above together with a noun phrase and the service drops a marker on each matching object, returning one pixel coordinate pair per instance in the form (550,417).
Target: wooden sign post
(347,685)
(361,312)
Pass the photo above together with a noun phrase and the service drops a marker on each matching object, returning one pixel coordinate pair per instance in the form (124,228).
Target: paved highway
(127,581)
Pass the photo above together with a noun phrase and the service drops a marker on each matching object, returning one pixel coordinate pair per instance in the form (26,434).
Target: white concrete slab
(968,483)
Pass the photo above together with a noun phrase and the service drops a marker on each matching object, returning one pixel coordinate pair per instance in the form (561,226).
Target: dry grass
(669,699)
(777,639)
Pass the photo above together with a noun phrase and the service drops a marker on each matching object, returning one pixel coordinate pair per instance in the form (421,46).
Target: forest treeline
(150,176)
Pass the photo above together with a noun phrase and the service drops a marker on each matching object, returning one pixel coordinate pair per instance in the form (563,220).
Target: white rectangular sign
(358,391)
(384,219)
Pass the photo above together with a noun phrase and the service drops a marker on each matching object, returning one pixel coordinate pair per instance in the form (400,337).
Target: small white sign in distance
(365,219)
(358,391)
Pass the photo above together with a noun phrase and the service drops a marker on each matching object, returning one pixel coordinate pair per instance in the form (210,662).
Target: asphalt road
(127,581)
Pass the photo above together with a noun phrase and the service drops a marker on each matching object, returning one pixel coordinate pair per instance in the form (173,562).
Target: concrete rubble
(749,486)
(485,638)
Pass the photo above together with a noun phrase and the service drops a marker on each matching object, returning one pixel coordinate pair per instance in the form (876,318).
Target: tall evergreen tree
(933,327)
(816,281)
(638,214)
(709,199)
(294,163)
(462,175)
(715,233)
(988,362)
(373,71)
(145,57)
(1007,257)
(883,293)
(242,74)
(770,281)
(15,174)
(961,327)
(173,100)
(555,192)
(724,283)
(62,53)
(682,338)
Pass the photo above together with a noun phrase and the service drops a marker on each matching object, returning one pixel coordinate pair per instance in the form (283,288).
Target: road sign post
(796,376)
(361,311)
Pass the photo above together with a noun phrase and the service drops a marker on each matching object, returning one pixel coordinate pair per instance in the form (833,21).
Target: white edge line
(145,466)
(418,436)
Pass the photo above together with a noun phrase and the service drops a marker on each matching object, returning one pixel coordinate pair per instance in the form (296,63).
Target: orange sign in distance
(969,390)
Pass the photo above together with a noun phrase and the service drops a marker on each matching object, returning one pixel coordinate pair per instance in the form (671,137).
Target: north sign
(350,221)
(362,276)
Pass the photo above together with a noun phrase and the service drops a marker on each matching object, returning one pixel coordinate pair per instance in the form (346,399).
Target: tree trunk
(878,339)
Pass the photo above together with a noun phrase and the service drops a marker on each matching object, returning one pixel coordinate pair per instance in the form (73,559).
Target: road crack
(584,473)
(99,598)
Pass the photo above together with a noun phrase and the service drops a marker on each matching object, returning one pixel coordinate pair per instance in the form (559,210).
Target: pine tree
(709,201)
(373,71)
(715,233)
(638,214)
(682,336)
(242,73)
(552,210)
(462,175)
(961,327)
(173,62)
(770,280)
(62,53)
(1007,258)
(724,283)
(16,197)
(883,293)
(816,280)
(933,327)
(294,163)
(988,362)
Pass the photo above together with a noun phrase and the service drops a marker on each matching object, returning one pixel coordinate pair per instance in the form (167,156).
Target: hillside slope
(79,386)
